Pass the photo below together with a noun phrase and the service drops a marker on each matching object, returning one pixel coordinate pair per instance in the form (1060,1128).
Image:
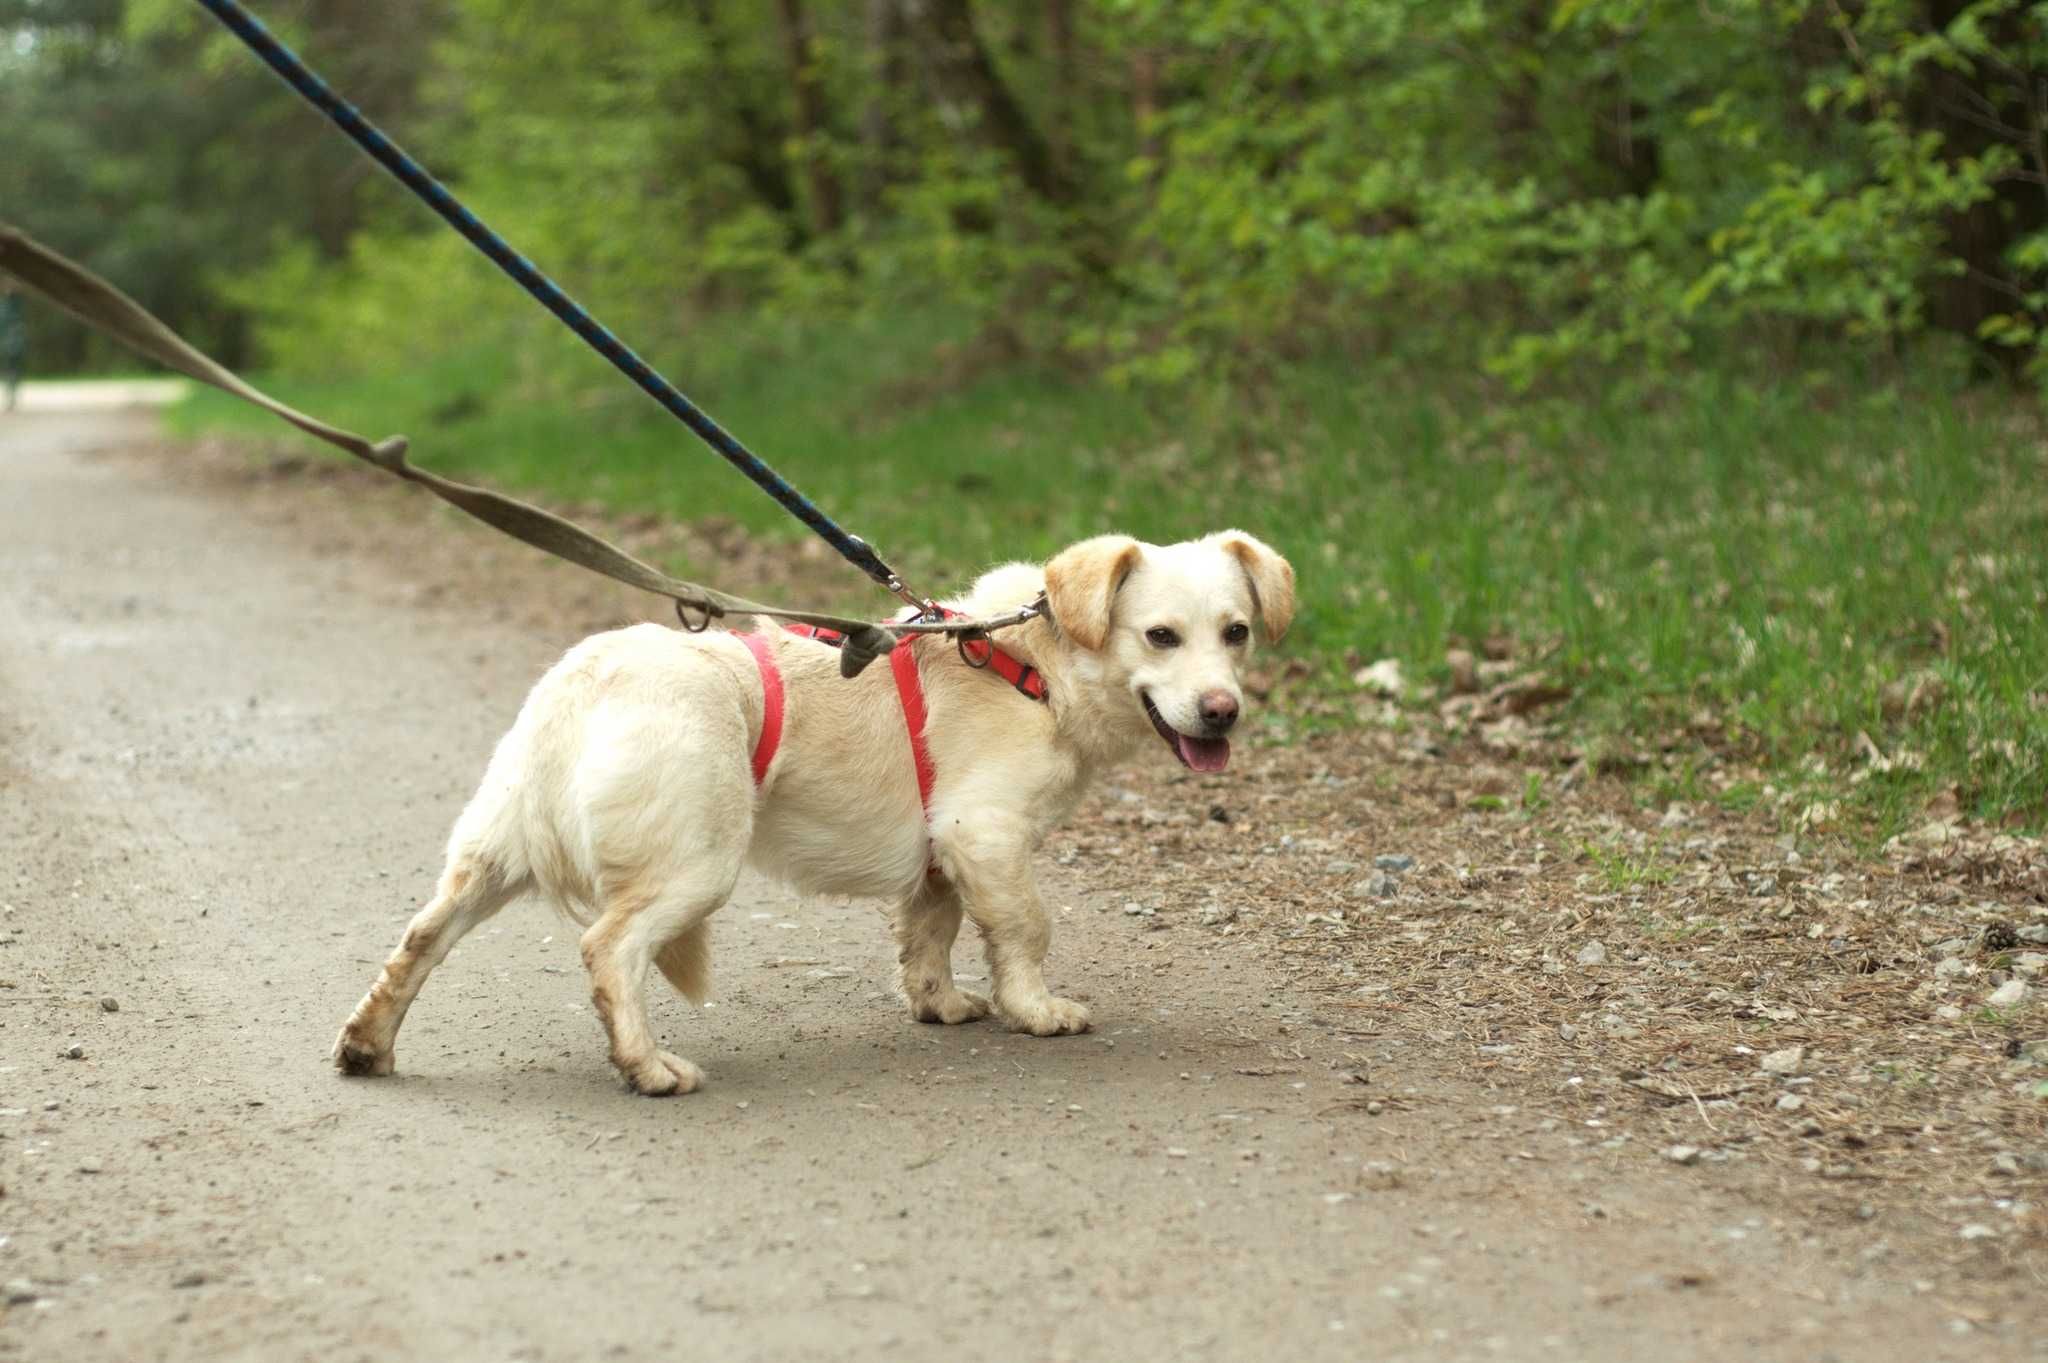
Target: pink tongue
(1205,754)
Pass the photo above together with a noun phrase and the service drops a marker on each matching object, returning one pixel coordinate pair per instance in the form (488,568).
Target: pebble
(1948,1012)
(1215,915)
(1397,862)
(2012,994)
(20,1292)
(1593,953)
(1976,1230)
(1790,1102)
(1136,910)
(89,1166)
(109,1004)
(74,1052)
(1683,1154)
(1567,1032)
(194,1277)
(1952,967)
(1381,886)
(1786,1061)
(2036,933)
(1763,887)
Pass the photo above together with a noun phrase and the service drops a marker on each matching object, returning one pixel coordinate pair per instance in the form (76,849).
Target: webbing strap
(773,701)
(910,691)
(99,304)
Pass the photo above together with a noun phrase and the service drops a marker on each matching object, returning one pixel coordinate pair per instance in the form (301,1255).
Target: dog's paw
(662,1075)
(952,1007)
(1047,1016)
(352,1055)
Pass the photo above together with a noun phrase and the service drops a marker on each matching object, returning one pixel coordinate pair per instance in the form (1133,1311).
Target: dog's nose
(1219,710)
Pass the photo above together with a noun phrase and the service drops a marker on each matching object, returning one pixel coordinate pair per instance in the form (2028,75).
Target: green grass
(1737,574)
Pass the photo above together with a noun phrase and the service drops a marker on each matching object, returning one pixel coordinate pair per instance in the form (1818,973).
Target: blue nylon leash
(408,172)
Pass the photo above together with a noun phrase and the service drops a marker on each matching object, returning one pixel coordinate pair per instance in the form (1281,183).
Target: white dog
(625,791)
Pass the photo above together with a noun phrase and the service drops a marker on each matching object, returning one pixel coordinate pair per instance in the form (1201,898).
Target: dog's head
(1172,626)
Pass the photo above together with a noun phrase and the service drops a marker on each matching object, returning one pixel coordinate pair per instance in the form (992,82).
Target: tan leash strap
(99,304)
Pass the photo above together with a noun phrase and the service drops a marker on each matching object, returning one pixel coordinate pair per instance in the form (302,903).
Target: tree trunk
(1059,43)
(878,133)
(965,75)
(827,204)
(753,152)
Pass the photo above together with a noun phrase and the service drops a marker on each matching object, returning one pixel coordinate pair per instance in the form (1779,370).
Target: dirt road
(228,755)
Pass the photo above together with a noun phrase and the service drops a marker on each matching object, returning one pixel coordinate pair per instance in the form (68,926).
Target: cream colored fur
(624,791)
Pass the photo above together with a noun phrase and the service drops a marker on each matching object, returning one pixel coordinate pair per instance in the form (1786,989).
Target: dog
(626,789)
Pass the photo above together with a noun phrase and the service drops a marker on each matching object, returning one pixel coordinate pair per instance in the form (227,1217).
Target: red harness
(979,653)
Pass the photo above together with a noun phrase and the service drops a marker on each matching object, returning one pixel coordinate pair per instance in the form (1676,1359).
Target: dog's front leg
(989,863)
(926,924)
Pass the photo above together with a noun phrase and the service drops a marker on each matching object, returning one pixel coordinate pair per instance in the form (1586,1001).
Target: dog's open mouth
(1200,754)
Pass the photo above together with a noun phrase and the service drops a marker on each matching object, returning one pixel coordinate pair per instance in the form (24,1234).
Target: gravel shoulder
(240,704)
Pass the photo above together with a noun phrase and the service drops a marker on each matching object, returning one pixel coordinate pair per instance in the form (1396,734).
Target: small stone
(2030,963)
(1593,953)
(1134,909)
(1948,1012)
(1397,862)
(20,1292)
(192,1277)
(74,1052)
(2037,933)
(1952,967)
(109,1004)
(1682,1154)
(1977,1230)
(1383,678)
(1567,1032)
(1763,887)
(2014,993)
(1464,671)
(51,1106)
(1216,915)
(1382,886)
(1790,1102)
(1786,1061)
(89,1166)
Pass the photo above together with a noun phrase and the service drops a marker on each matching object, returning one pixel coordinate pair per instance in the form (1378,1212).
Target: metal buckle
(702,623)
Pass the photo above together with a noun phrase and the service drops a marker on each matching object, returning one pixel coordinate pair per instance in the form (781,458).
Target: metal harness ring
(967,654)
(702,623)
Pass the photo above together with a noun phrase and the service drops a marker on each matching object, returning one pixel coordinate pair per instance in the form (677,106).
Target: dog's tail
(686,961)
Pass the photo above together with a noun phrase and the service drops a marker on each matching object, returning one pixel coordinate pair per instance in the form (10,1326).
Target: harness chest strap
(909,694)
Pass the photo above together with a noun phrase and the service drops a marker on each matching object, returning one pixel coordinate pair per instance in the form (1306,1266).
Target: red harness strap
(772,701)
(980,653)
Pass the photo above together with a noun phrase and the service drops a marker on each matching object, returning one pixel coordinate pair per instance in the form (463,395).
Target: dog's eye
(1237,633)
(1159,636)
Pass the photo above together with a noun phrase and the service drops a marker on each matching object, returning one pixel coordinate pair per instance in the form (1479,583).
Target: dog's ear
(1081,583)
(1271,576)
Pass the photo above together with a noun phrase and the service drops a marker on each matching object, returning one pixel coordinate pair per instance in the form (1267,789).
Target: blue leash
(409,173)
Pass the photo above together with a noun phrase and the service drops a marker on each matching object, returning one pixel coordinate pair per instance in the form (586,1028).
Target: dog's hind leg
(926,925)
(649,917)
(470,891)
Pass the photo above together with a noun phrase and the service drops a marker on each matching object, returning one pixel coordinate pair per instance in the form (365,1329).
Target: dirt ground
(1575,1080)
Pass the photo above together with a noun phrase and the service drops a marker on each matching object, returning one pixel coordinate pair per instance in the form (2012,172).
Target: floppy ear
(1272,579)
(1081,583)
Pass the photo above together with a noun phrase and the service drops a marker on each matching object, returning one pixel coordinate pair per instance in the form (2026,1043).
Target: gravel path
(229,752)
